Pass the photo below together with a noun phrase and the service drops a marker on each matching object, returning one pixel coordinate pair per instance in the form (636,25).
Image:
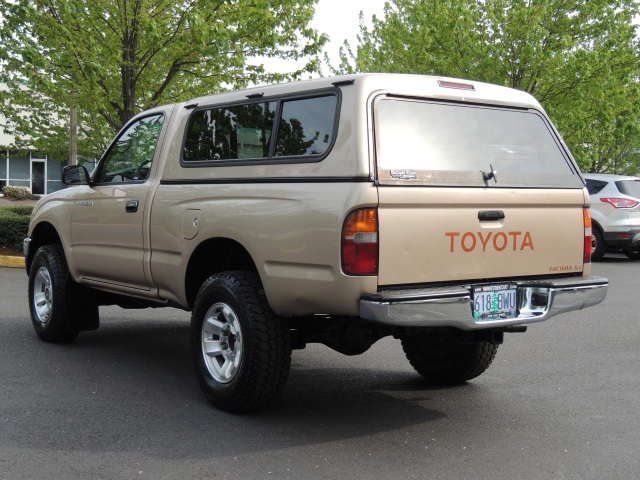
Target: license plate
(494,302)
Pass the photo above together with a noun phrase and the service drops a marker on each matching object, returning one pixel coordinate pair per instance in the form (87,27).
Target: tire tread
(467,362)
(267,345)
(58,328)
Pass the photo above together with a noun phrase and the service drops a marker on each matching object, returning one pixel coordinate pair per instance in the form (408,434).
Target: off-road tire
(439,360)
(231,318)
(48,295)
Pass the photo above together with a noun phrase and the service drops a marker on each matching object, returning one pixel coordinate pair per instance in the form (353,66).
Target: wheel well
(596,226)
(213,256)
(43,234)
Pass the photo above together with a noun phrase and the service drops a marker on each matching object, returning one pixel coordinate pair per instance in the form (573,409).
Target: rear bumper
(627,238)
(451,306)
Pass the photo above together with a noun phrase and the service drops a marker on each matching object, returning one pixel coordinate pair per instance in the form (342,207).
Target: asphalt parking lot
(560,402)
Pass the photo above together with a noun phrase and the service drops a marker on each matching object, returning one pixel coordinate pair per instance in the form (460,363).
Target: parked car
(615,214)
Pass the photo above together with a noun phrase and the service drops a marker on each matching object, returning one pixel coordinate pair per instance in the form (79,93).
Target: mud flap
(82,307)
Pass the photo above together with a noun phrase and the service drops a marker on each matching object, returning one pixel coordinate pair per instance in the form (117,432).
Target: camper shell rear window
(440,143)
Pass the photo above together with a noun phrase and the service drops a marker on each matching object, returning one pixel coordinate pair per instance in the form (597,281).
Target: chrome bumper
(451,306)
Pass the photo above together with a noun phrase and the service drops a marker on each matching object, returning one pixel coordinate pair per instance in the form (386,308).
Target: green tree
(580,59)
(115,58)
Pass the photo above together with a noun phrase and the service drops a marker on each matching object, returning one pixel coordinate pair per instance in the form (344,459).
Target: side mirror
(75,175)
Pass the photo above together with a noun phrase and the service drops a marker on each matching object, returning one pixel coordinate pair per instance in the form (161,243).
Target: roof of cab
(403,84)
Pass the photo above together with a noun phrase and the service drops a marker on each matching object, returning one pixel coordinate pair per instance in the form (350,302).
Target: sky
(339,20)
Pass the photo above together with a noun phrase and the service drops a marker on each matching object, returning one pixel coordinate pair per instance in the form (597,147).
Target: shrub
(14,225)
(19,209)
(19,193)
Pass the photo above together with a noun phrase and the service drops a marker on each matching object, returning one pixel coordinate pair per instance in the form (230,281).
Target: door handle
(490,215)
(131,206)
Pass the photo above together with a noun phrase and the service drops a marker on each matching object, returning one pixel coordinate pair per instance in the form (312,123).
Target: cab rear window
(438,143)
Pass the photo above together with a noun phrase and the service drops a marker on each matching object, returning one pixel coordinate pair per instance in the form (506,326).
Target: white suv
(615,213)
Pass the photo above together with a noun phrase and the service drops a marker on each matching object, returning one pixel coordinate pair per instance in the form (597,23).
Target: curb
(12,262)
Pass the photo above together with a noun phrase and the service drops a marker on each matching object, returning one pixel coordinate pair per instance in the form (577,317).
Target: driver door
(107,226)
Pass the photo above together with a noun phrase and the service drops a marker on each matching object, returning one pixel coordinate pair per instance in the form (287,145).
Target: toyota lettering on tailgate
(472,241)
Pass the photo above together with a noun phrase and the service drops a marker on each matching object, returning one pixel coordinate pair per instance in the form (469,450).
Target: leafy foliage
(113,59)
(580,59)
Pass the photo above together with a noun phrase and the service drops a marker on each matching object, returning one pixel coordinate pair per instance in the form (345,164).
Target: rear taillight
(360,242)
(620,202)
(587,236)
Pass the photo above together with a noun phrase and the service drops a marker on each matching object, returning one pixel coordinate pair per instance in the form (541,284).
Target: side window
(229,133)
(306,126)
(594,186)
(130,158)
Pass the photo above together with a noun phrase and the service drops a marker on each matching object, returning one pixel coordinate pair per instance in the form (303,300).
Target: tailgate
(432,234)
(473,191)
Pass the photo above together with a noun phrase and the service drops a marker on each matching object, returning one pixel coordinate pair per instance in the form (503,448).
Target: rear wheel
(438,358)
(598,247)
(241,348)
(47,295)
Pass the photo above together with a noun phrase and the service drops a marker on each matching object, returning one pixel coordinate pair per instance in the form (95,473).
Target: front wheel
(439,359)
(241,348)
(48,295)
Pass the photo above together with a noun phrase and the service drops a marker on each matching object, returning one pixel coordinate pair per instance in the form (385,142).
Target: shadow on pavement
(130,386)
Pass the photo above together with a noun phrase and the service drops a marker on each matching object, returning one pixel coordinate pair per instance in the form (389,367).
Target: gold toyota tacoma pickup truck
(443,212)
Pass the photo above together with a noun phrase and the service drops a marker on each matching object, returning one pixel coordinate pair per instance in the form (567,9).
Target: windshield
(456,143)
